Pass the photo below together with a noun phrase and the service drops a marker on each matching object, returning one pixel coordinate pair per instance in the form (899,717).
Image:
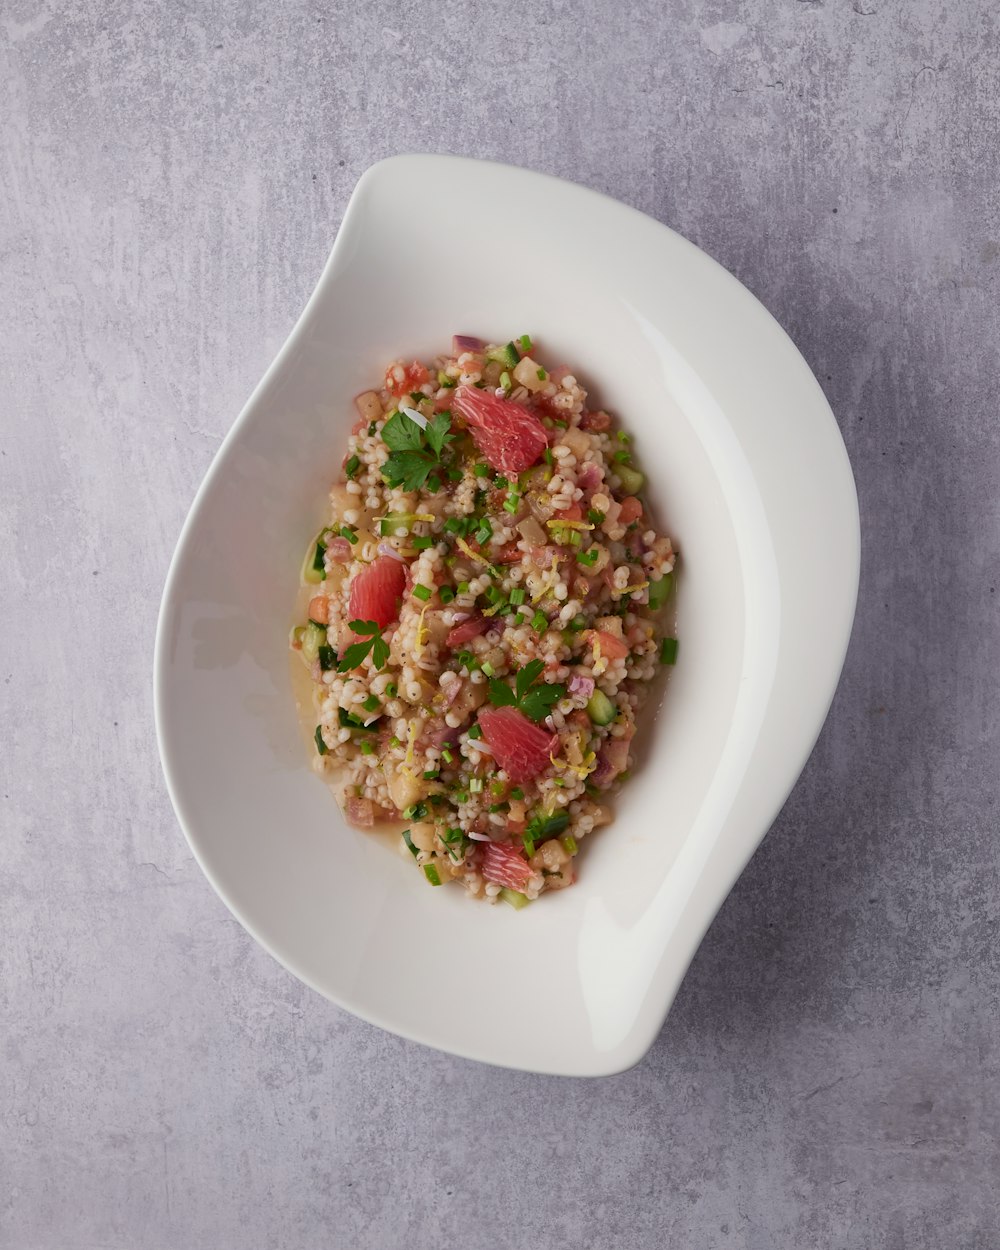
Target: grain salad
(484,617)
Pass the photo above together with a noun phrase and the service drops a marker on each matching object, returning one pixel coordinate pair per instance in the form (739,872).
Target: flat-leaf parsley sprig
(354,655)
(414,453)
(535,701)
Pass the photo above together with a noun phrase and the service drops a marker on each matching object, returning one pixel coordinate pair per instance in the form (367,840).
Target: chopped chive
(392,690)
(589,557)
(539,621)
(350,534)
(529,845)
(512,502)
(569,844)
(505,380)
(481,470)
(352,466)
(621,457)
(410,844)
(372,703)
(432,874)
(668,651)
(517,596)
(432,774)
(623,437)
(454,525)
(499,807)
(518,618)
(445,594)
(578,622)
(461,796)
(455,475)
(500,480)
(595,516)
(488,668)
(422,592)
(321,746)
(422,542)
(496,788)
(463,588)
(476,785)
(524,342)
(368,747)
(434,483)
(475,732)
(542,375)
(517,793)
(416,811)
(447,756)
(394,742)
(547,455)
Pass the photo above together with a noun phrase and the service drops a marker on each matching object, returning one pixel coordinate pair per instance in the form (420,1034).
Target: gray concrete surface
(171,178)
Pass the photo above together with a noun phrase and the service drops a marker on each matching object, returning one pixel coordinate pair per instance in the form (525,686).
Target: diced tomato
(611,647)
(573,513)
(509,553)
(506,866)
(465,631)
(319,609)
(508,435)
(631,510)
(519,746)
(413,375)
(376,591)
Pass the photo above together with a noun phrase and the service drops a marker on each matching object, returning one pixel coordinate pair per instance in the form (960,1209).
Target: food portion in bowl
(484,616)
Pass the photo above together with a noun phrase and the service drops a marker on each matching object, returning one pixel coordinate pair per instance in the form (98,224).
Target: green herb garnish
(534,700)
(414,453)
(355,654)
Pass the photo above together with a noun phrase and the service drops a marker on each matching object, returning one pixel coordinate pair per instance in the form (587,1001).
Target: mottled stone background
(171,178)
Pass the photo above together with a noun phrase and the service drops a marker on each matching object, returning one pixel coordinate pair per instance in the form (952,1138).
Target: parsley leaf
(546,825)
(535,701)
(401,434)
(408,469)
(355,654)
(414,453)
(501,694)
(437,432)
(527,675)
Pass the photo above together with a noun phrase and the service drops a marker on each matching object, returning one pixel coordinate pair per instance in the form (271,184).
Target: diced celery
(515,898)
(631,479)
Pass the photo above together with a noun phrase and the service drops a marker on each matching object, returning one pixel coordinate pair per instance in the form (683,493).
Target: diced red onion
(458,617)
(479,837)
(581,685)
(337,551)
(387,549)
(465,343)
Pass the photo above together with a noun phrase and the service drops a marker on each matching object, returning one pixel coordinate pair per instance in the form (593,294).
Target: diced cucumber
(600,709)
(659,592)
(507,355)
(296,636)
(321,746)
(393,522)
(313,637)
(314,564)
(631,479)
(327,657)
(515,898)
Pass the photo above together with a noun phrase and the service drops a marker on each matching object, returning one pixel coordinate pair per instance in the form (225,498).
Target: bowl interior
(595,966)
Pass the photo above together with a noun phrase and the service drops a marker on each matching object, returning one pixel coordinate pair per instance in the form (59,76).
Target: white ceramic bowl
(746,470)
